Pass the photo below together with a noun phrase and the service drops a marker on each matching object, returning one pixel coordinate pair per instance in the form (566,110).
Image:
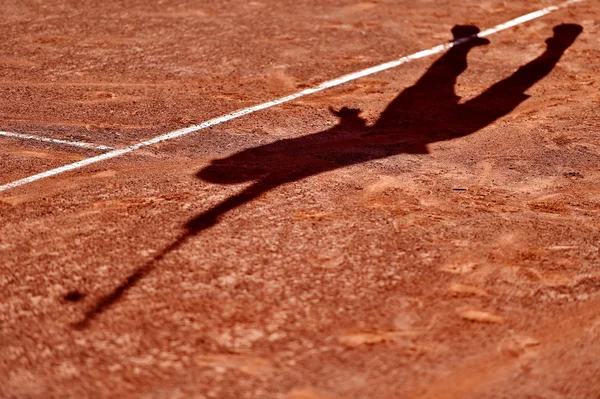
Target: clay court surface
(429,231)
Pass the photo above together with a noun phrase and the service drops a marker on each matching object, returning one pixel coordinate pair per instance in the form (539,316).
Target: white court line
(56,141)
(325,85)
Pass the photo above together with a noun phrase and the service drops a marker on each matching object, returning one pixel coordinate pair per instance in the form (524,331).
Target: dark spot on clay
(73,296)
(573,175)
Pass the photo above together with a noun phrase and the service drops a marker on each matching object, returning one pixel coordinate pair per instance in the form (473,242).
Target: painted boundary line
(56,141)
(323,86)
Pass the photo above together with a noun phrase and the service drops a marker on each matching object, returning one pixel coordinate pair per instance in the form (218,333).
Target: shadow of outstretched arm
(195,226)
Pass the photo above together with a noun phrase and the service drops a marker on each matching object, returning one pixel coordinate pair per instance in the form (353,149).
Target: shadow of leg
(504,96)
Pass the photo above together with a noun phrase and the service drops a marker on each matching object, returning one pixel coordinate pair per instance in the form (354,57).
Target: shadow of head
(282,157)
(349,116)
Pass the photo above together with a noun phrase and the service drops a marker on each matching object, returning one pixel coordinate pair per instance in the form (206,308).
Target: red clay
(363,260)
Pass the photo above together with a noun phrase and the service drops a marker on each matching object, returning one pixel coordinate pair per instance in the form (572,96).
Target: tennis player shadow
(427,112)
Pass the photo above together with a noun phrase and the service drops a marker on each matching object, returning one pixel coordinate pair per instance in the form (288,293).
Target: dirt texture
(432,231)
